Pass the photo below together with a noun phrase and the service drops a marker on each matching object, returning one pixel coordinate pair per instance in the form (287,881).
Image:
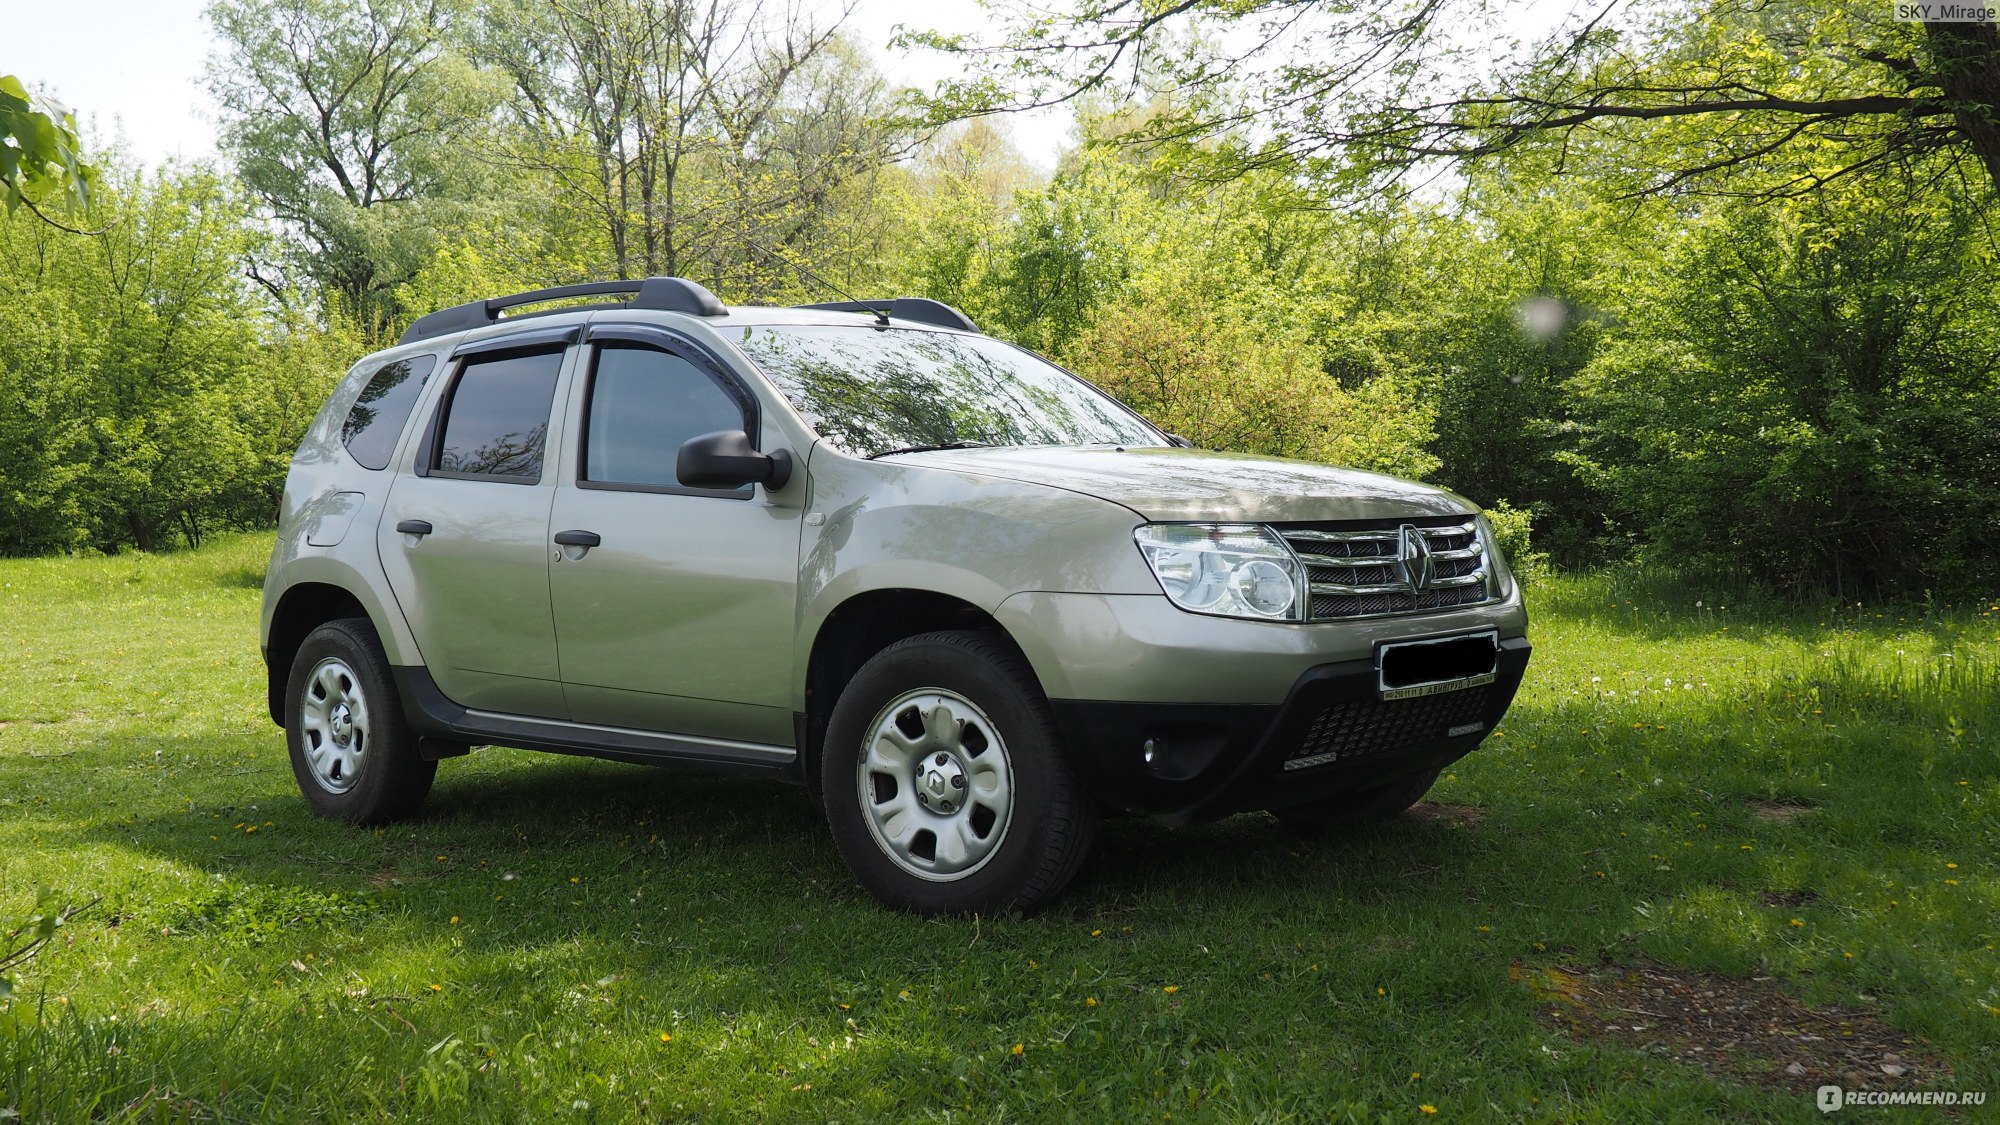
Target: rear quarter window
(375,422)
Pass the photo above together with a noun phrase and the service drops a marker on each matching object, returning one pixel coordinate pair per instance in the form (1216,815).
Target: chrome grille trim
(1362,572)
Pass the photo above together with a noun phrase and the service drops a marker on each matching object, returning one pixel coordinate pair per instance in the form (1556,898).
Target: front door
(464,538)
(680,617)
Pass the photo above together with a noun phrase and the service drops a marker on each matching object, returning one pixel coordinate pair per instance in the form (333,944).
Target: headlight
(1235,570)
(1499,577)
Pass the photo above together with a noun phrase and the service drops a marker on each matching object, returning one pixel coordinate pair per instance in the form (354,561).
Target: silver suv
(968,600)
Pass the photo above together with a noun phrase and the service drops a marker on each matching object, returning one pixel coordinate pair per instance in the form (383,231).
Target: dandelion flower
(1090,1001)
(1797,922)
(1173,988)
(454,919)
(665,1038)
(1018,1048)
(1427,1109)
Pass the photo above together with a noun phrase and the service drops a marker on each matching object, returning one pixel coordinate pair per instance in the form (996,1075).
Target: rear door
(464,537)
(680,618)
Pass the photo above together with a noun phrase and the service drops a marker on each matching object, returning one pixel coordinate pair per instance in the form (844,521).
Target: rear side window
(497,421)
(376,420)
(644,405)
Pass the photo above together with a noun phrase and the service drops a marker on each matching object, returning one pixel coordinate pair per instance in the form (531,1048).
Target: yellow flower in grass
(1427,1109)
(1172,988)
(665,1038)
(1018,1048)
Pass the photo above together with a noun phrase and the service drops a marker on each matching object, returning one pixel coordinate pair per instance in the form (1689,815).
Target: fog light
(1153,750)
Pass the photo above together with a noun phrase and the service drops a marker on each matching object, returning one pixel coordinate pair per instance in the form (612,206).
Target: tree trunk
(1968,69)
(142,532)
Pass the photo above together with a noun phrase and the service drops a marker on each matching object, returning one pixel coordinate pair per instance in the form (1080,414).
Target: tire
(354,757)
(1350,810)
(948,735)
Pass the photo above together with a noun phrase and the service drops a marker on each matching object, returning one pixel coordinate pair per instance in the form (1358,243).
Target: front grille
(1356,728)
(1365,572)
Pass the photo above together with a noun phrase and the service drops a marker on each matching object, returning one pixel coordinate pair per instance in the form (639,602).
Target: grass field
(1699,820)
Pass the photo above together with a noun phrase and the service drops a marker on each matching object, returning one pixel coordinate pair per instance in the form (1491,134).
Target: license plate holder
(1435,665)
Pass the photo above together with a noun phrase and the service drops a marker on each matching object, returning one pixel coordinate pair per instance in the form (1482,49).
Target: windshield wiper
(928,448)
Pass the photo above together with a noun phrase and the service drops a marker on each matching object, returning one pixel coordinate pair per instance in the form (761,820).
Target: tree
(695,136)
(1804,394)
(352,120)
(151,392)
(1808,91)
(41,159)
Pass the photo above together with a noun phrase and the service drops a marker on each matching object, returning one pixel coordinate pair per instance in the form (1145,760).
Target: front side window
(871,391)
(644,405)
(376,420)
(497,421)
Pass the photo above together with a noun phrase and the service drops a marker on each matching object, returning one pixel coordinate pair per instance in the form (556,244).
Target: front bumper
(1211,760)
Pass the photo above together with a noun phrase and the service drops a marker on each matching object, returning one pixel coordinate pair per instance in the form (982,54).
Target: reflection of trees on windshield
(871,390)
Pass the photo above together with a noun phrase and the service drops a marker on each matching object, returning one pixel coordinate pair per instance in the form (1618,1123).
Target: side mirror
(725,459)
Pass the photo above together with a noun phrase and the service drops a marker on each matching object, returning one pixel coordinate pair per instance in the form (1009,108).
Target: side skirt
(436,718)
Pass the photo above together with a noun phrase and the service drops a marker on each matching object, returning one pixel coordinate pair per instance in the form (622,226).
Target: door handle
(578,538)
(414,527)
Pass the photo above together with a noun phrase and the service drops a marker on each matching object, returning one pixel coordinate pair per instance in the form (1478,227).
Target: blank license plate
(1407,669)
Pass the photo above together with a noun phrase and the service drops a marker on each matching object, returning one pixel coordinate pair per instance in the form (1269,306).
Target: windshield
(872,391)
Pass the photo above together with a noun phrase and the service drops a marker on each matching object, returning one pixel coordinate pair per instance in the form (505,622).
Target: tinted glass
(871,391)
(499,416)
(376,421)
(644,405)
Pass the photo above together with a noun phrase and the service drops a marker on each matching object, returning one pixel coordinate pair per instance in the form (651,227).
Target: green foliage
(41,159)
(1806,397)
(1513,531)
(158,396)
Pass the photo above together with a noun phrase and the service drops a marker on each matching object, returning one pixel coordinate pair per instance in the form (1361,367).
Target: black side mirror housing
(726,459)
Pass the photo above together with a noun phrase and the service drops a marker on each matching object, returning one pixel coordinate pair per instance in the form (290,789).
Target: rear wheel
(1365,807)
(354,757)
(945,782)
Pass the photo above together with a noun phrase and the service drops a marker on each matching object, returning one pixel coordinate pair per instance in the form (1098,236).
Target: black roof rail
(668,294)
(920,309)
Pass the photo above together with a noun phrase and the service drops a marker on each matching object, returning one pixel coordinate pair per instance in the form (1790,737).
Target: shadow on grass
(760,846)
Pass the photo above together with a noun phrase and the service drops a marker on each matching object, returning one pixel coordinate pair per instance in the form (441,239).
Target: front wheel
(354,757)
(945,782)
(1349,810)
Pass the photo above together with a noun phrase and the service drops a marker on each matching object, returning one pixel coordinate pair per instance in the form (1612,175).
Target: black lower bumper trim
(1333,730)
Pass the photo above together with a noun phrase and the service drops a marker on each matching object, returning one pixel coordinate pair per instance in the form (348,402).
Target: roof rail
(668,294)
(920,309)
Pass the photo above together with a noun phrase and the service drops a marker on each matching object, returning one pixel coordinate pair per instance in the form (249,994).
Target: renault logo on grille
(1413,558)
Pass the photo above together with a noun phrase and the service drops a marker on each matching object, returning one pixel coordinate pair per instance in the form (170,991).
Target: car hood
(1194,484)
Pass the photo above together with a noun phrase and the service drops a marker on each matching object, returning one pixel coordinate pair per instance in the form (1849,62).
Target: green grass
(563,937)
